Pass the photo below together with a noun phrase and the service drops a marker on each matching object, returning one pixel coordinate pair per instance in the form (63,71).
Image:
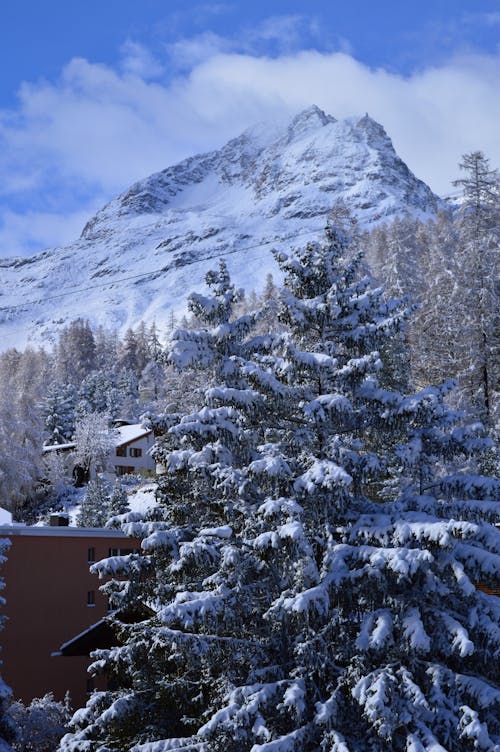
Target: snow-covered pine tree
(75,352)
(95,507)
(436,332)
(152,382)
(381,534)
(58,409)
(307,563)
(479,225)
(193,571)
(128,357)
(118,500)
(94,394)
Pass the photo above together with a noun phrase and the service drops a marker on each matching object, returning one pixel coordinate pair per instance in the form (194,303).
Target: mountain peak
(310,119)
(271,187)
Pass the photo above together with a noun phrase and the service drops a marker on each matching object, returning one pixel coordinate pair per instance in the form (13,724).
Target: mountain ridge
(269,185)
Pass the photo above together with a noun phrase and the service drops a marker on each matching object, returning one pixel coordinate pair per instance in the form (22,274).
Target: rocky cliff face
(271,187)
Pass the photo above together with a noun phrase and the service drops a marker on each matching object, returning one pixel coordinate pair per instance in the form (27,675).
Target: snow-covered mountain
(271,187)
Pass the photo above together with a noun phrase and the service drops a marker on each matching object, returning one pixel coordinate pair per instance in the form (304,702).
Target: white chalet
(131,454)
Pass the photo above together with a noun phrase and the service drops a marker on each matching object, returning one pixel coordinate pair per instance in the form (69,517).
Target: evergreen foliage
(76,352)
(94,509)
(58,409)
(450,267)
(311,563)
(118,500)
(102,501)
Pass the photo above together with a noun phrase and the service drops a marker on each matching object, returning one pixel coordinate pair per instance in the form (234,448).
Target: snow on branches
(309,589)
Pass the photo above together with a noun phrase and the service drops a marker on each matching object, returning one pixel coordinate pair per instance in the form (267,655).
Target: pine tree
(118,500)
(93,394)
(152,382)
(76,352)
(481,187)
(142,348)
(129,356)
(127,394)
(385,641)
(313,557)
(479,223)
(106,348)
(95,507)
(190,566)
(437,328)
(59,411)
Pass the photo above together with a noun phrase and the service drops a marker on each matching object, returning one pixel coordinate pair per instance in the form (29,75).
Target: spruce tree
(312,560)
(118,500)
(385,641)
(192,571)
(95,507)
(59,413)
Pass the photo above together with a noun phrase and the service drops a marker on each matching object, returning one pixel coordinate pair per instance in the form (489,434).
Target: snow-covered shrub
(39,725)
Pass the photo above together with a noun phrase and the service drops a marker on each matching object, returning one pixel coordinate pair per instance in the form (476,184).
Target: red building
(51,597)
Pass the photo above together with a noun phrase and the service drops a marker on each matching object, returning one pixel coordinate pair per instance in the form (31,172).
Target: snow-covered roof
(59,447)
(17,530)
(126,434)
(5,517)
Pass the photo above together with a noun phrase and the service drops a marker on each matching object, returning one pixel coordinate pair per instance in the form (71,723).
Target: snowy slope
(271,187)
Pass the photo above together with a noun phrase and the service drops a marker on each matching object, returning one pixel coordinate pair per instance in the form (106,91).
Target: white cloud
(189,52)
(486,19)
(138,61)
(287,31)
(433,116)
(97,129)
(33,231)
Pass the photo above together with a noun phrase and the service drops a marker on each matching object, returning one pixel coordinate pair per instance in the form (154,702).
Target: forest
(446,269)
(328,478)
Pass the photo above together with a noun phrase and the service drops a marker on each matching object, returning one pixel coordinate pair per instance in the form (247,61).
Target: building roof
(127,434)
(98,635)
(5,517)
(59,532)
(102,634)
(59,447)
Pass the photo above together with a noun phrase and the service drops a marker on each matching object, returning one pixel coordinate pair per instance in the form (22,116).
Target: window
(91,555)
(121,451)
(123,470)
(120,551)
(91,598)
(134,452)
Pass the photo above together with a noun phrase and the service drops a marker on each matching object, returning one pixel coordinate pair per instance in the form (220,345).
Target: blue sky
(97,94)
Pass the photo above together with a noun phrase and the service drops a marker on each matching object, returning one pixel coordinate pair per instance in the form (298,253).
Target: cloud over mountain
(77,140)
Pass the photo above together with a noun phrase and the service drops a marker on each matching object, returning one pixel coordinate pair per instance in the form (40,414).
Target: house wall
(145,462)
(47,582)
